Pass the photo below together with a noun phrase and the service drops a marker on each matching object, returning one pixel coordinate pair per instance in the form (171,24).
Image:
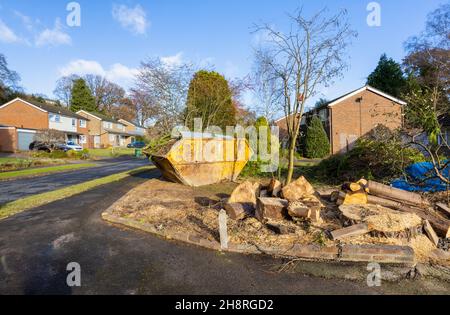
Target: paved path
(16,189)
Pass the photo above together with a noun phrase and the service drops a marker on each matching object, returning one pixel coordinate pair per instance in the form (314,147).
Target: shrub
(380,155)
(57,154)
(317,145)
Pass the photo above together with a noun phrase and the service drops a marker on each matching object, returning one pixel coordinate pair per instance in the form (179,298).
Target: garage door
(24,140)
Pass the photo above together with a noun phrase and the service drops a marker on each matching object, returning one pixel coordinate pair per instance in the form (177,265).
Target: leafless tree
(50,136)
(266,86)
(310,54)
(63,89)
(161,91)
(107,94)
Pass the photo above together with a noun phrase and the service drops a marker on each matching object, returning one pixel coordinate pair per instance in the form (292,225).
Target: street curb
(385,254)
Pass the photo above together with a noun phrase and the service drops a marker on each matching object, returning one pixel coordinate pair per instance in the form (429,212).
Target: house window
(55,118)
(107,125)
(82,123)
(83,140)
(112,138)
(74,122)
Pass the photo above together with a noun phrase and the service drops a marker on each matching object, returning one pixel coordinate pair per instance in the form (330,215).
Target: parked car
(41,146)
(136,145)
(73,146)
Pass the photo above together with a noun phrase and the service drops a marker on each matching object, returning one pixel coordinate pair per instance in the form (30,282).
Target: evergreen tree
(82,98)
(317,145)
(388,77)
(210,98)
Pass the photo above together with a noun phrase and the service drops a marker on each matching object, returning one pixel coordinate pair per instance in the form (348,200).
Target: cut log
(237,211)
(352,231)
(297,209)
(381,190)
(298,189)
(334,196)
(382,221)
(315,216)
(440,225)
(356,198)
(431,233)
(275,187)
(443,208)
(271,208)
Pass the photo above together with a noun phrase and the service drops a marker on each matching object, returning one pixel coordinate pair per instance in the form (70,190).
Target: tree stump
(382,221)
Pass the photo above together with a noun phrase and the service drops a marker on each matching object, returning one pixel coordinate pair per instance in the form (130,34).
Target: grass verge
(44,170)
(34,201)
(117,152)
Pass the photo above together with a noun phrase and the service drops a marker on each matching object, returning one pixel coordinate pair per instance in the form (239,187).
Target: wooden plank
(431,233)
(443,207)
(352,231)
(381,190)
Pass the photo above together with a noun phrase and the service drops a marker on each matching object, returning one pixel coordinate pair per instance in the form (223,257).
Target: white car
(74,146)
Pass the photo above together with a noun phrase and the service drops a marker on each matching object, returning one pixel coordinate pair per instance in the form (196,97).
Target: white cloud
(117,73)
(26,20)
(173,61)
(7,35)
(132,19)
(53,37)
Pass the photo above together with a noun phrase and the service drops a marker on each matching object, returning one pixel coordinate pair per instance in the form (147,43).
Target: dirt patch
(172,208)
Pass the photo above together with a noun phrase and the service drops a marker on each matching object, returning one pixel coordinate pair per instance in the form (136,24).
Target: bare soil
(173,208)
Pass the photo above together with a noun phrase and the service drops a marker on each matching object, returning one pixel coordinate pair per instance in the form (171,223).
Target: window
(112,138)
(83,140)
(55,118)
(82,123)
(74,122)
(107,124)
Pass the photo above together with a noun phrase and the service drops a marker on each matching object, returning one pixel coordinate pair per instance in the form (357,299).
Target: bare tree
(107,94)
(162,90)
(50,137)
(266,86)
(310,54)
(63,89)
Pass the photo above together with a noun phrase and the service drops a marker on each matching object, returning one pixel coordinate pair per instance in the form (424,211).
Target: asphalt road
(37,245)
(16,189)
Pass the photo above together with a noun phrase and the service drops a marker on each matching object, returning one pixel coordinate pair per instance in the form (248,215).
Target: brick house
(21,120)
(105,131)
(133,129)
(351,116)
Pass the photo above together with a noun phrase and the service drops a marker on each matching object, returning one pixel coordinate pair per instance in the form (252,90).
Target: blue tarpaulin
(416,178)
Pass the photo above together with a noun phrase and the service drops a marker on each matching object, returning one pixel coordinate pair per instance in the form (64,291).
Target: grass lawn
(44,170)
(11,164)
(110,152)
(20,205)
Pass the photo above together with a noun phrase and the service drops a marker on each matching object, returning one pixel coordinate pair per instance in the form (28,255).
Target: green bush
(381,155)
(78,155)
(317,145)
(50,155)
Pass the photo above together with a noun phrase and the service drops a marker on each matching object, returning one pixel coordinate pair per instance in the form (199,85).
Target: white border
(23,101)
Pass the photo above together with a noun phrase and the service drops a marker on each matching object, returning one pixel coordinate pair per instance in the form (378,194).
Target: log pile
(297,201)
(365,195)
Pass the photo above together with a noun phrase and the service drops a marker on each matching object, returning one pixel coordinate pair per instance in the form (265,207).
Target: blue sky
(115,36)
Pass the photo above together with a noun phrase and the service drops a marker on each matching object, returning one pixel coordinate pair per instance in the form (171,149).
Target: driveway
(21,188)
(37,245)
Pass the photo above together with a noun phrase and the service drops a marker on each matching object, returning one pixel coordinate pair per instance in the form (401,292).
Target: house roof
(131,123)
(364,88)
(352,93)
(46,108)
(100,116)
